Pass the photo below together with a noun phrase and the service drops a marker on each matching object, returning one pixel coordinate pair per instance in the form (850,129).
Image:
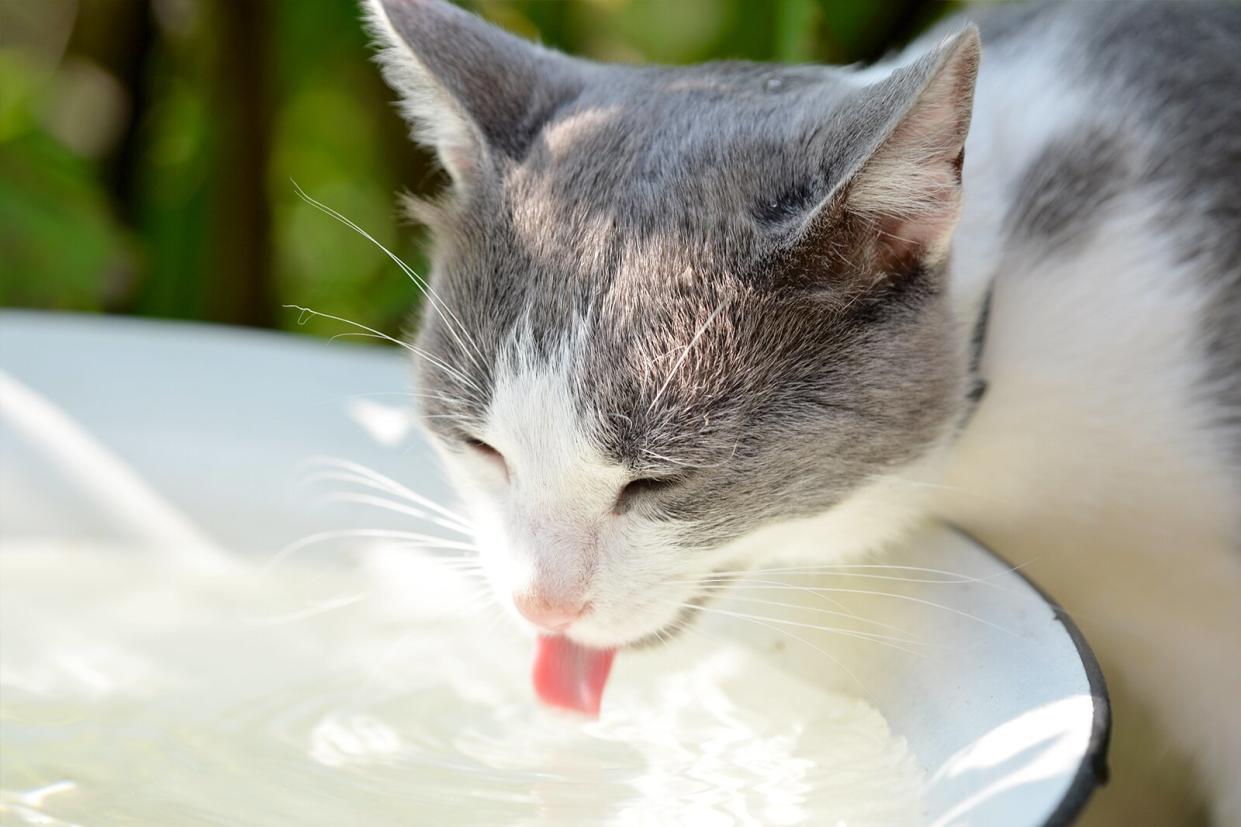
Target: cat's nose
(549,614)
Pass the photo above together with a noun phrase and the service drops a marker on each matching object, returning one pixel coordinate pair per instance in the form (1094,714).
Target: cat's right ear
(474,93)
(896,201)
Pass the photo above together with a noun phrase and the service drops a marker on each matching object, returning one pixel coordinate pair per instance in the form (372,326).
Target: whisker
(882,640)
(822,597)
(759,584)
(389,505)
(320,608)
(834,612)
(841,608)
(436,302)
(431,542)
(977,494)
(939,581)
(848,568)
(370,332)
(684,354)
(401,395)
(414,349)
(802,640)
(729,579)
(465,565)
(390,484)
(683,463)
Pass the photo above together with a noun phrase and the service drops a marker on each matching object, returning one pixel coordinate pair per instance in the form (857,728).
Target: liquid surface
(389,693)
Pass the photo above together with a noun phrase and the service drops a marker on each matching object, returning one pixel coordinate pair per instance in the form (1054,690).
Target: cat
(685,317)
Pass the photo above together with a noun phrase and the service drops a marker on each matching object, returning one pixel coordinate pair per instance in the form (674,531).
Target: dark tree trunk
(130,63)
(241,253)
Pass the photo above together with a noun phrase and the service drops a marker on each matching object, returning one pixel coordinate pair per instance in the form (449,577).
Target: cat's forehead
(697,103)
(664,170)
(644,138)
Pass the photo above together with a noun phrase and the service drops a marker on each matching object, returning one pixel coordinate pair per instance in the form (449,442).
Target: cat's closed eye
(484,450)
(641,487)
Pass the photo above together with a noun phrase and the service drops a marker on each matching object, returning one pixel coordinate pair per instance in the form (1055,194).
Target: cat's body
(1103,200)
(694,317)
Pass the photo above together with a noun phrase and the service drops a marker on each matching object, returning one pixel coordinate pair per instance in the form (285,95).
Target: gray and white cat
(690,316)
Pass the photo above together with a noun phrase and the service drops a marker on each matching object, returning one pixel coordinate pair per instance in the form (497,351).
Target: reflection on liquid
(332,694)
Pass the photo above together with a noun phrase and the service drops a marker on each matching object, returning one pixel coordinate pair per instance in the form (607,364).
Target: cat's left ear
(473,92)
(893,210)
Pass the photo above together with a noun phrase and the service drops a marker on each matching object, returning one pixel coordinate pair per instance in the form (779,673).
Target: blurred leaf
(333,130)
(796,30)
(59,247)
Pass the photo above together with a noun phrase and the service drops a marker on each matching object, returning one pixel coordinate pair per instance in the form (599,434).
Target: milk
(383,688)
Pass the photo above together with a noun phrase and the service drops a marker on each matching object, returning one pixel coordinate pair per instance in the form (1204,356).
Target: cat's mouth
(571,675)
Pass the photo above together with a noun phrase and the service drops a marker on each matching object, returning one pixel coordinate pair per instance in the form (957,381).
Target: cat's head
(673,307)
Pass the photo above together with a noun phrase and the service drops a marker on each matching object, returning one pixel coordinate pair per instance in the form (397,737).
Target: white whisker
(389,505)
(805,642)
(322,607)
(772,584)
(938,581)
(390,484)
(431,542)
(436,302)
(833,612)
(370,332)
(685,354)
(882,640)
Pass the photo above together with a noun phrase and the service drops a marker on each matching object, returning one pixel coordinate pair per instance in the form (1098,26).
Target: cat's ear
(470,90)
(893,210)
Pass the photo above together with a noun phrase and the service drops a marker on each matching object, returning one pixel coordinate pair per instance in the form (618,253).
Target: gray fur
(1189,105)
(1173,71)
(505,86)
(649,200)
(1062,195)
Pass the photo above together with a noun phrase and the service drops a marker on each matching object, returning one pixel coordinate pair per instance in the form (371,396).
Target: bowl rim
(1093,770)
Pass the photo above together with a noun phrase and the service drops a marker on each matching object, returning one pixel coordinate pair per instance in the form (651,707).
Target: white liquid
(390,694)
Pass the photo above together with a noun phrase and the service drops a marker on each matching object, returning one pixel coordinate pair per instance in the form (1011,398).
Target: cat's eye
(642,487)
(485,450)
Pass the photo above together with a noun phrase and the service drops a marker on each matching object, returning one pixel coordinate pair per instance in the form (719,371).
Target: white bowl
(1010,720)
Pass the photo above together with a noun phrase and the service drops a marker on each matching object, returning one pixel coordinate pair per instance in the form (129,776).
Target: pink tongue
(569,675)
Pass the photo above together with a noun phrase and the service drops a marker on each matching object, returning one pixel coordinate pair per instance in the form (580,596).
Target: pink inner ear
(920,237)
(911,186)
(461,161)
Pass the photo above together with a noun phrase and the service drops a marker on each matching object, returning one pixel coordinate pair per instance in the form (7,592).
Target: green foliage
(59,245)
(119,173)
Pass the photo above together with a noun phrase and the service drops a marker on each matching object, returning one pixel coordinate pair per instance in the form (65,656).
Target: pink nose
(548,614)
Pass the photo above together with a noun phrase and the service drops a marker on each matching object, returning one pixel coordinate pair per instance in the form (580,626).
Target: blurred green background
(148,147)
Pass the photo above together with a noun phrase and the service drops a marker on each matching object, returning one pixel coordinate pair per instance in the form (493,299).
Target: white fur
(550,527)
(560,491)
(1092,461)
(1092,457)
(440,121)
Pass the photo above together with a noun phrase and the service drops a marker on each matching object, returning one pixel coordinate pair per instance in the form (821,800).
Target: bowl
(194,438)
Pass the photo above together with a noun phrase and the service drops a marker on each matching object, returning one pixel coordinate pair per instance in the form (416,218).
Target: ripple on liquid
(132,692)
